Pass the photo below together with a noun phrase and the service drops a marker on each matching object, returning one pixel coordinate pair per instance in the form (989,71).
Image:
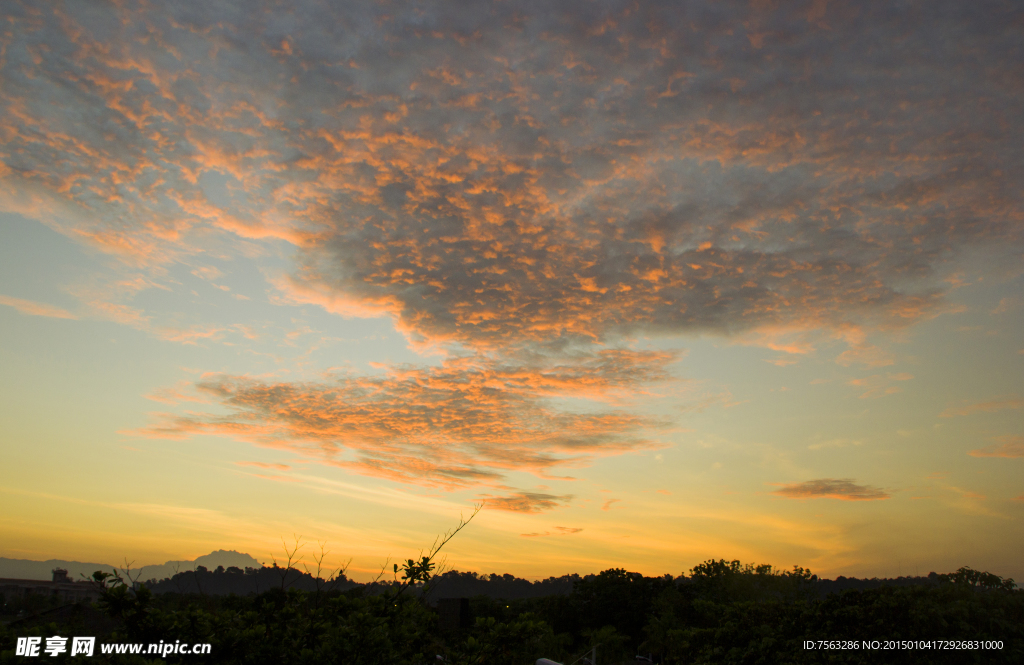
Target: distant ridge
(25,569)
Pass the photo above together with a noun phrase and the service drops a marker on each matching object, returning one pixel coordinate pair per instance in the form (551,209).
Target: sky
(655,282)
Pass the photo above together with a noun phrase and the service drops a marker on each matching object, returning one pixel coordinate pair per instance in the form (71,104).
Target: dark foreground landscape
(722,612)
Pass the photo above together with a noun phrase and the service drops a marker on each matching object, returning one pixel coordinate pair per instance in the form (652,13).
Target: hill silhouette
(25,569)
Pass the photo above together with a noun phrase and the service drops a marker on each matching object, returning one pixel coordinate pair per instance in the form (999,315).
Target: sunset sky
(656,281)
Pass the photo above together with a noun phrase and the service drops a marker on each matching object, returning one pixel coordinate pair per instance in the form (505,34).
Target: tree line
(723,612)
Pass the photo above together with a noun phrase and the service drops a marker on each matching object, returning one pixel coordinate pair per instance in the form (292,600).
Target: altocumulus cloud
(528,172)
(466,423)
(522,180)
(828,488)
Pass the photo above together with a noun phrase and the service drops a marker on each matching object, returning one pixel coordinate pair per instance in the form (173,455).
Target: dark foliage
(233,580)
(723,612)
(454,584)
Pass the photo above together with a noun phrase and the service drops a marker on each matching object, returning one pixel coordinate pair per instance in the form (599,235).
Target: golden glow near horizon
(657,283)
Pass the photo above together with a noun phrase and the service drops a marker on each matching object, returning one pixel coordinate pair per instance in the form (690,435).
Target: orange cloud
(559,531)
(301,292)
(1008,446)
(174,395)
(844,490)
(988,406)
(33,308)
(867,355)
(518,199)
(459,200)
(265,465)
(193,335)
(466,423)
(877,385)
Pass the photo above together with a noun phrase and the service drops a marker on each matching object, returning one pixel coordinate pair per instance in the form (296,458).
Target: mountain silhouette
(25,569)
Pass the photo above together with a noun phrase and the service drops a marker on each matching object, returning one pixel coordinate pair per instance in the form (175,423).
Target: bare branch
(128,573)
(422,570)
(290,554)
(333,578)
(451,534)
(383,567)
